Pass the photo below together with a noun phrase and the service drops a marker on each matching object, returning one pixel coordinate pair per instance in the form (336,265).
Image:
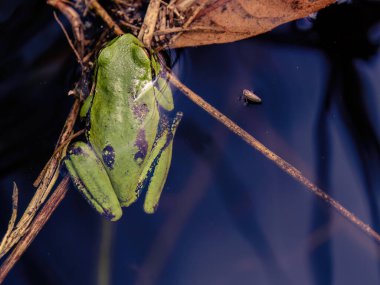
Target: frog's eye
(105,56)
(140,56)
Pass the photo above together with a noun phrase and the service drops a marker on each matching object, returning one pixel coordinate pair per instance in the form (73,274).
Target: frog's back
(122,107)
(122,66)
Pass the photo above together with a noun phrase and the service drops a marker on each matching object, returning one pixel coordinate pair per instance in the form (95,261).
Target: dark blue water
(227,214)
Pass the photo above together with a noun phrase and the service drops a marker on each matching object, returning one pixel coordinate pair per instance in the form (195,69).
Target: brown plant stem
(280,162)
(149,25)
(65,135)
(35,227)
(181,30)
(79,59)
(45,183)
(13,218)
(188,22)
(105,16)
(74,19)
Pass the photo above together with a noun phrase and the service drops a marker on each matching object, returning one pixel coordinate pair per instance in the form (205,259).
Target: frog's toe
(113,215)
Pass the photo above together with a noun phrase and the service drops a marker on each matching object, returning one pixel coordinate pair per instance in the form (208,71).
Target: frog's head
(125,48)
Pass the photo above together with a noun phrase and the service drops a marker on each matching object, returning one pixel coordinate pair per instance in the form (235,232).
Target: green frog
(128,129)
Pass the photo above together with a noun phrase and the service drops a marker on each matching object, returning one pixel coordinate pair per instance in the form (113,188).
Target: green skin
(129,134)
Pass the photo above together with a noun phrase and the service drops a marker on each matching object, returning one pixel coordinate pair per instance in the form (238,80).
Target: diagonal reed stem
(280,162)
(37,224)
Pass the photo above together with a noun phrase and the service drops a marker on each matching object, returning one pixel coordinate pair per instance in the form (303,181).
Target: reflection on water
(228,215)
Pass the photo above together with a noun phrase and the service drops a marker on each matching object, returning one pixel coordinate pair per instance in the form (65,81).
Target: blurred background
(227,215)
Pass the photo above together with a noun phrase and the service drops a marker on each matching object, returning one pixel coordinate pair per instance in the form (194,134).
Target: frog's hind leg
(158,167)
(91,179)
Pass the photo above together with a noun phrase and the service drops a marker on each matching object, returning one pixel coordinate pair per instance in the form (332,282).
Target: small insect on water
(250,97)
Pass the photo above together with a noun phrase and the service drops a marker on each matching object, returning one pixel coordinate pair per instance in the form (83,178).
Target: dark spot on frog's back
(140,111)
(142,146)
(108,155)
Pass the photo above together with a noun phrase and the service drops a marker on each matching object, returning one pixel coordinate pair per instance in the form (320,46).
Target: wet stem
(280,162)
(19,236)
(29,225)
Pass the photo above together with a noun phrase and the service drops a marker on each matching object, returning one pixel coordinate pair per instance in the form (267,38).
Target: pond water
(227,215)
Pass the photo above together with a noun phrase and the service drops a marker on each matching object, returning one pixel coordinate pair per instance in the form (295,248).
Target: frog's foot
(157,168)
(91,179)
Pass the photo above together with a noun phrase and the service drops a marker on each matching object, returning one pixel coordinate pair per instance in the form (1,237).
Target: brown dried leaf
(222,21)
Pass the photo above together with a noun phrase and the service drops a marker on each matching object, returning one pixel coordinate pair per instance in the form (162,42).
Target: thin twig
(105,16)
(12,221)
(172,7)
(74,19)
(68,40)
(149,25)
(59,149)
(64,137)
(40,220)
(162,21)
(97,47)
(186,4)
(46,183)
(191,29)
(132,27)
(189,21)
(285,166)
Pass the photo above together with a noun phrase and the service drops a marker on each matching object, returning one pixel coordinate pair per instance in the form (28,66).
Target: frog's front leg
(158,165)
(91,179)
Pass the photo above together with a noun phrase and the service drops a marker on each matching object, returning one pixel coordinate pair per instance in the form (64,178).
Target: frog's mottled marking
(149,174)
(140,111)
(158,166)
(160,169)
(164,123)
(142,146)
(108,155)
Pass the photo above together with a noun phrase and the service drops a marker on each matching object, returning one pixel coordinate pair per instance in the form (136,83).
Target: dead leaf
(221,21)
